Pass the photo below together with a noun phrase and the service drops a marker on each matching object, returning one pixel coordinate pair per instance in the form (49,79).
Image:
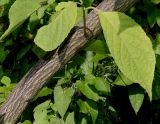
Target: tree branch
(38,75)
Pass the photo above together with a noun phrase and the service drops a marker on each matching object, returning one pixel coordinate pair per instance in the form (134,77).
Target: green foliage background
(90,88)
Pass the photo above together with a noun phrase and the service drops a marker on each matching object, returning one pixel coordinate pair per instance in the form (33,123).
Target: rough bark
(38,75)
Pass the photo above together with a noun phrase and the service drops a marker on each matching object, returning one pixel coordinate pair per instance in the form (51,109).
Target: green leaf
(156,1)
(122,80)
(49,37)
(84,121)
(157,44)
(87,3)
(158,20)
(56,120)
(70,119)
(136,96)
(26,122)
(33,21)
(43,106)
(79,15)
(40,113)
(156,84)
(99,83)
(41,117)
(38,52)
(90,107)
(2,100)
(3,54)
(6,80)
(23,51)
(87,91)
(19,12)
(87,65)
(43,92)
(130,48)
(98,46)
(62,98)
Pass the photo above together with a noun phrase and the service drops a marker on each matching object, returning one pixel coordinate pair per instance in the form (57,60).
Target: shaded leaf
(43,92)
(89,107)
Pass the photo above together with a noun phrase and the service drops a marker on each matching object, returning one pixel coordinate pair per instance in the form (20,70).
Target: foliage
(112,80)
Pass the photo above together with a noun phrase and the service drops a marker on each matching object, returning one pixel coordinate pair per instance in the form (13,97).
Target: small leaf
(43,92)
(56,120)
(156,85)
(87,65)
(84,121)
(49,37)
(87,91)
(19,12)
(3,54)
(158,20)
(25,122)
(88,3)
(33,21)
(136,98)
(43,106)
(70,119)
(157,44)
(6,80)
(23,51)
(62,98)
(41,117)
(130,48)
(99,83)
(89,107)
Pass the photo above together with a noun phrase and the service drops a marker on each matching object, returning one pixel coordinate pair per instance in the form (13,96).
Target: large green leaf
(19,12)
(130,47)
(49,37)
(62,98)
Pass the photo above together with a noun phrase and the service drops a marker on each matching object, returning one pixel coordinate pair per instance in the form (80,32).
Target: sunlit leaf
(6,80)
(70,119)
(19,12)
(62,98)
(49,37)
(130,48)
